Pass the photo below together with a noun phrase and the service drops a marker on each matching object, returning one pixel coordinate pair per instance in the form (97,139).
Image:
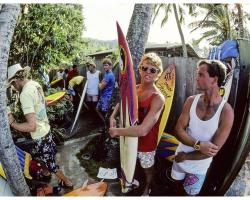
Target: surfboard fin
(127,187)
(84,185)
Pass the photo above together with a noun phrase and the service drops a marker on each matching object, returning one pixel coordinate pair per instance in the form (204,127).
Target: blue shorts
(192,182)
(103,103)
(71,91)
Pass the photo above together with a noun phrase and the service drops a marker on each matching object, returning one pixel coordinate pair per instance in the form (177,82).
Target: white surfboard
(79,106)
(128,156)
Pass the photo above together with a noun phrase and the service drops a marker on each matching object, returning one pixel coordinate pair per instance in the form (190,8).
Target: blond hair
(153,60)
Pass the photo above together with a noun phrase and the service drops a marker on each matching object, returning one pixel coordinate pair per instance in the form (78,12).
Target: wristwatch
(197,145)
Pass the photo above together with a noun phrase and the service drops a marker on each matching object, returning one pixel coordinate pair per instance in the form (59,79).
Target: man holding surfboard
(202,128)
(151,102)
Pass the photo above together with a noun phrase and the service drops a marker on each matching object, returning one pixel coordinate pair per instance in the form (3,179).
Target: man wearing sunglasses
(150,105)
(202,128)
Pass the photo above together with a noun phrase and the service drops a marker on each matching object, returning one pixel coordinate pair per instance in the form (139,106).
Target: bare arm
(28,126)
(182,123)
(112,121)
(220,137)
(102,84)
(206,147)
(147,124)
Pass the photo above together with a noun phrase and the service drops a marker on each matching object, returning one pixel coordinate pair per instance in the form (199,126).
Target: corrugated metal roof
(172,49)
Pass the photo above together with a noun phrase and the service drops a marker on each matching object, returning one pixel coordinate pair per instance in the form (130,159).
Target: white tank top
(93,81)
(199,130)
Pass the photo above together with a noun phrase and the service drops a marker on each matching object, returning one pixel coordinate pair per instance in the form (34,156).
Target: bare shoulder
(227,110)
(189,100)
(159,97)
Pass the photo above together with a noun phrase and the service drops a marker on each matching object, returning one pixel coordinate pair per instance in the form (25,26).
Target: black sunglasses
(152,70)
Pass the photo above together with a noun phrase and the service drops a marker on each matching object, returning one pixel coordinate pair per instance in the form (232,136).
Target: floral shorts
(147,159)
(192,182)
(44,151)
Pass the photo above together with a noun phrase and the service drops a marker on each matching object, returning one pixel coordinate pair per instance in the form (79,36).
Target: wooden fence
(185,85)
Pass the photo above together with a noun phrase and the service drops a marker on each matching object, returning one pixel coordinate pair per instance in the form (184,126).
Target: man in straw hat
(37,124)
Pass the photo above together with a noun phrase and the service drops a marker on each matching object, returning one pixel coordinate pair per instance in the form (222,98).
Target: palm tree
(240,17)
(217,23)
(240,20)
(8,157)
(138,31)
(179,17)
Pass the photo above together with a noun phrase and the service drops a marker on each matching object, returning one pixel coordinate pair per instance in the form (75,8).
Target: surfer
(93,77)
(32,101)
(75,88)
(151,102)
(106,87)
(202,128)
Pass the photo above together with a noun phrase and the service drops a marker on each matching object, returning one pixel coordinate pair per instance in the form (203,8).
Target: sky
(100,22)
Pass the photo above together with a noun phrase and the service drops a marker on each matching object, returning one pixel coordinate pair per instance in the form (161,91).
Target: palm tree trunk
(138,31)
(240,20)
(184,48)
(8,157)
(229,36)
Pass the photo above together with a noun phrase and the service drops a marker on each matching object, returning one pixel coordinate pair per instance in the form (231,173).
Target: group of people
(202,128)
(33,106)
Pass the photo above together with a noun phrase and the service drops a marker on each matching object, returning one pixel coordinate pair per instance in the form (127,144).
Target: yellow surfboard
(95,189)
(55,81)
(166,84)
(54,97)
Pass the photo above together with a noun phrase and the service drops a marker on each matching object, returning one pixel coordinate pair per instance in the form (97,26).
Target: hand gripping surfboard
(128,112)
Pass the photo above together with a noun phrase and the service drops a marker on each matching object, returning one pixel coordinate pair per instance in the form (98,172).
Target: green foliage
(58,111)
(56,115)
(47,34)
(218,24)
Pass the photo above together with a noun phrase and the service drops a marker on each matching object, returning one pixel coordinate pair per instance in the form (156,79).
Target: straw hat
(12,70)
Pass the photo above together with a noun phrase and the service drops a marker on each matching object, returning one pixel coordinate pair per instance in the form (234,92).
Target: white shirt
(199,130)
(60,74)
(93,81)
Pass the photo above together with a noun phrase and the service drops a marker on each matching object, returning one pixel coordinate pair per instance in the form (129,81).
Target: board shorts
(192,182)
(146,159)
(103,103)
(92,98)
(44,151)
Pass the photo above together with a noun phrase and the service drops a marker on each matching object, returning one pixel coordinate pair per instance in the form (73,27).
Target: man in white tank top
(93,77)
(202,128)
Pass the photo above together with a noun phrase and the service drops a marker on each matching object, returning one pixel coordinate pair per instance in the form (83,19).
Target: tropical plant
(240,17)
(219,23)
(8,157)
(178,12)
(47,34)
